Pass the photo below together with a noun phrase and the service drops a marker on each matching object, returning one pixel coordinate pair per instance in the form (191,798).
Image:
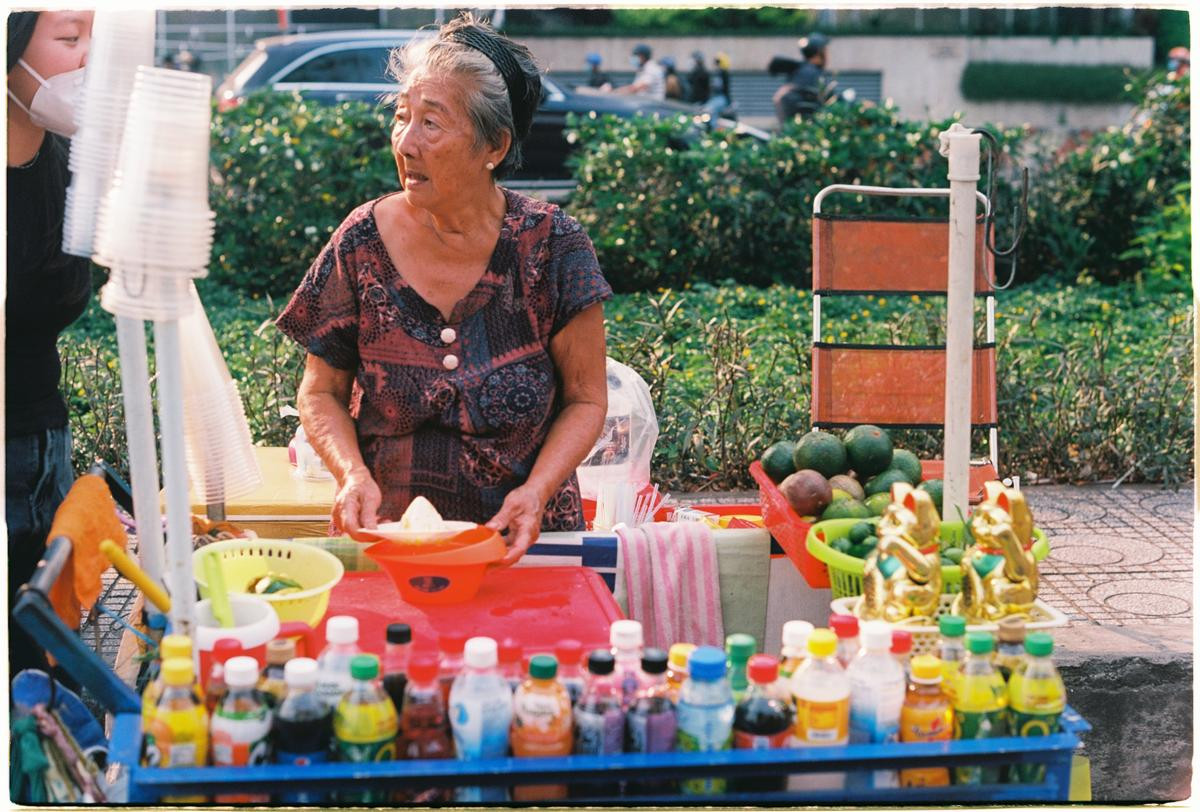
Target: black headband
(524,93)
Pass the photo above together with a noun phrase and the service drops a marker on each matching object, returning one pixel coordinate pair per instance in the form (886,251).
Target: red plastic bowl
(452,573)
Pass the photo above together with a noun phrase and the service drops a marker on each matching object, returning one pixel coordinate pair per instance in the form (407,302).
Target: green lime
(883,483)
(860,531)
(906,461)
(877,503)
(842,544)
(955,554)
(870,542)
(934,488)
(846,509)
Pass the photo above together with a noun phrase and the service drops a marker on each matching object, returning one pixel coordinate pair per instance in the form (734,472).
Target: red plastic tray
(787,528)
(537,606)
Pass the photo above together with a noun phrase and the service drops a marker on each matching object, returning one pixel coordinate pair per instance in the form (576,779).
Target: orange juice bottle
(177,733)
(926,716)
(541,724)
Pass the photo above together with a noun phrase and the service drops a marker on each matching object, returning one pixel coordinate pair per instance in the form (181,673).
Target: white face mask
(53,105)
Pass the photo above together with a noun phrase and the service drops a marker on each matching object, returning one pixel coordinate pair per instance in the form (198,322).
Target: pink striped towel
(672,584)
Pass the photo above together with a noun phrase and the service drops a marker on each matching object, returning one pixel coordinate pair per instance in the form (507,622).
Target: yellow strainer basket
(246,559)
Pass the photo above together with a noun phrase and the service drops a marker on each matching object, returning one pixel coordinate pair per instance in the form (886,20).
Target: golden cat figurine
(999,572)
(902,576)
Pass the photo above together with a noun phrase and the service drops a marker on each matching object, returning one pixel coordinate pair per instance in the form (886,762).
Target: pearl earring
(490,165)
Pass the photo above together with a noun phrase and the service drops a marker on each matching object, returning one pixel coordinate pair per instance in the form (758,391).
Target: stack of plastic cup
(121,41)
(220,453)
(154,230)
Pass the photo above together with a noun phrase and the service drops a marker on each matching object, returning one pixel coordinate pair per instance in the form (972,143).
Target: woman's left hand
(521,515)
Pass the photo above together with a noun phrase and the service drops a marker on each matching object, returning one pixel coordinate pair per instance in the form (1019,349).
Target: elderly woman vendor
(455,328)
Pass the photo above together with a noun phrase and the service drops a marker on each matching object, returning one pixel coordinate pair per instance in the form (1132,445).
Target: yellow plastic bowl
(246,559)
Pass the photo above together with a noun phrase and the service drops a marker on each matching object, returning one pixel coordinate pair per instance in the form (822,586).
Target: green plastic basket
(846,571)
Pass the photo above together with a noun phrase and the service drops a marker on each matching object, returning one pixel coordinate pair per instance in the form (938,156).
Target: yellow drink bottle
(980,706)
(365,724)
(1036,698)
(926,716)
(177,733)
(173,645)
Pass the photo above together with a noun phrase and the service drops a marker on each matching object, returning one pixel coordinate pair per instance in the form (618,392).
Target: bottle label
(928,724)
(651,732)
(979,725)
(181,755)
(875,714)
(704,728)
(822,722)
(754,741)
(301,759)
(177,738)
(331,687)
(363,752)
(239,740)
(480,726)
(1027,723)
(599,734)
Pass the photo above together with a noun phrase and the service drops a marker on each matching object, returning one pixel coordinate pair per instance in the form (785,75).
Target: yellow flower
(112,363)
(843,334)
(1128,350)
(762,300)
(853,317)
(1105,307)
(619,317)
(745,352)
(866,313)
(916,298)
(1033,396)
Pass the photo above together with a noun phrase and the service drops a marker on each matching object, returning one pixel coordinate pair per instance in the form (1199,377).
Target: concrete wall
(920,74)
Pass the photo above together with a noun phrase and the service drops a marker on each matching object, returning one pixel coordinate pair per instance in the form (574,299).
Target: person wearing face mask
(455,329)
(46,288)
(651,79)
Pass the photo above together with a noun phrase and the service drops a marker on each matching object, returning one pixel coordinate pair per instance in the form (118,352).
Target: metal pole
(961,146)
(169,355)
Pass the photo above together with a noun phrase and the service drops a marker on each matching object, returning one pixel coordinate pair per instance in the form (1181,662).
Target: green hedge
(1024,81)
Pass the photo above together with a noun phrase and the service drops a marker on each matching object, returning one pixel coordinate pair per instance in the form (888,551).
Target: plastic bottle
(365,724)
(396,650)
(541,724)
(1010,646)
(980,706)
(569,653)
(333,666)
(927,716)
(762,721)
(509,659)
(302,732)
(480,714)
(241,726)
(651,725)
(902,644)
(214,688)
(271,683)
(822,695)
(846,629)
(450,661)
(599,719)
(625,636)
(795,646)
(424,732)
(705,713)
(177,734)
(877,687)
(172,646)
(952,650)
(739,648)
(677,667)
(1037,698)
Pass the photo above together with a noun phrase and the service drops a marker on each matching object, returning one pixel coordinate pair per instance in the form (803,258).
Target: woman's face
(59,44)
(433,141)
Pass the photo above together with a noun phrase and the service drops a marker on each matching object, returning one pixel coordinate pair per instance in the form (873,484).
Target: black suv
(338,66)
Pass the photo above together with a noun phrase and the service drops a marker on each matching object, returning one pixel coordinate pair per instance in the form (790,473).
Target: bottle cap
(178,671)
(952,625)
(1012,630)
(568,652)
(795,634)
(364,666)
(741,647)
(480,652)
(509,651)
(175,645)
(452,643)
(926,668)
(399,633)
(877,635)
(763,669)
(241,672)
(280,650)
(822,642)
(422,668)
(844,626)
(225,648)
(678,657)
(601,662)
(342,629)
(706,663)
(1039,644)
(625,634)
(902,641)
(654,661)
(300,672)
(979,642)
(544,666)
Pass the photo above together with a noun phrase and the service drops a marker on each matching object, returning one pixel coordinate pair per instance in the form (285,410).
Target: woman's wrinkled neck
(24,137)
(474,213)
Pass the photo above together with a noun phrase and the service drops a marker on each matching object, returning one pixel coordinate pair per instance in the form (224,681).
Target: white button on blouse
(450,362)
(448,335)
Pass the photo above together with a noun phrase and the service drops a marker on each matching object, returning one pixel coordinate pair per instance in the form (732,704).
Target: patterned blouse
(453,410)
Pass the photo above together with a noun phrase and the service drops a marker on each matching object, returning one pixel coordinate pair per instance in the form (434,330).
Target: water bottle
(877,688)
(333,666)
(705,713)
(480,714)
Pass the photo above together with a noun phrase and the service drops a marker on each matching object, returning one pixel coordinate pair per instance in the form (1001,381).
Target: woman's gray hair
(484,90)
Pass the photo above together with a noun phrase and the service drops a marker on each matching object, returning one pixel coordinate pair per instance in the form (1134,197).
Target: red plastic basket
(787,528)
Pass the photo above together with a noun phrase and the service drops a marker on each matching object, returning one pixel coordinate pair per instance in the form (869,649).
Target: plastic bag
(623,452)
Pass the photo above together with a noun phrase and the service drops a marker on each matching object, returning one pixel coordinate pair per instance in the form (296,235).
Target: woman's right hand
(356,504)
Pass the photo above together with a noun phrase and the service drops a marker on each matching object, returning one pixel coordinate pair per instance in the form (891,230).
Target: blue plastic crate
(150,784)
